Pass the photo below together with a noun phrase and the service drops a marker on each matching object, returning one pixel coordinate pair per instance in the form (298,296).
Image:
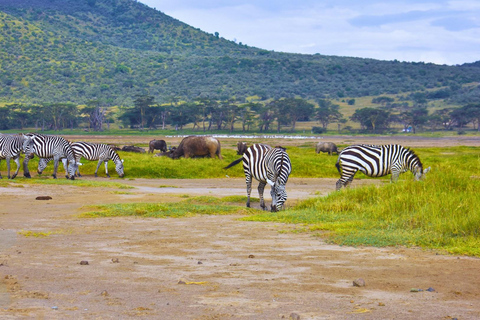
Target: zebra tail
(233,163)
(337,164)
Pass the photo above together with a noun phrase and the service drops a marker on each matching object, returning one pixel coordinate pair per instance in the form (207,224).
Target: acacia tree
(327,112)
(371,118)
(96,114)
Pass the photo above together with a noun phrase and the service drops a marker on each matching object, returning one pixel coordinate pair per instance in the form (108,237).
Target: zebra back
(94,151)
(48,146)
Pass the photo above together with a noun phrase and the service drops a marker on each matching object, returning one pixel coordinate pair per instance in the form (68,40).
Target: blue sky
(437,31)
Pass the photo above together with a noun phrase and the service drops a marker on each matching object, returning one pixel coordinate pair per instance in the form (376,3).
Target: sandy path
(233,269)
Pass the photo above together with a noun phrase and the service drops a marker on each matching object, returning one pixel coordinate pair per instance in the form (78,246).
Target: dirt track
(208,267)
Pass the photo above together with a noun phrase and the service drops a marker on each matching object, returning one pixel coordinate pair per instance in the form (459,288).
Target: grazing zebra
(377,161)
(267,165)
(100,152)
(48,146)
(11,145)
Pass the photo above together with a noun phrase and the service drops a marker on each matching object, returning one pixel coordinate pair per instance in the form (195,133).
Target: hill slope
(111,50)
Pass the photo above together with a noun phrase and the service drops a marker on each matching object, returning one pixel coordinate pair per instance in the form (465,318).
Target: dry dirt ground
(208,267)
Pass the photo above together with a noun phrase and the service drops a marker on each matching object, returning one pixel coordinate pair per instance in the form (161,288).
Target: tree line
(206,115)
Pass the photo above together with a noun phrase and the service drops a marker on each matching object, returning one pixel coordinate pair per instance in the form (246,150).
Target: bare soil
(208,267)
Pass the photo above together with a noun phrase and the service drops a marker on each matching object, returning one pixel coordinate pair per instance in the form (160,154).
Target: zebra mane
(415,156)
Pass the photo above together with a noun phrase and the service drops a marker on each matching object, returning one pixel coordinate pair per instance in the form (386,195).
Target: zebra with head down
(48,146)
(377,161)
(267,165)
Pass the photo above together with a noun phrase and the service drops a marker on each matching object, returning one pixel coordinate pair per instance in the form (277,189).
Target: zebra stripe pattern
(267,165)
(100,152)
(11,145)
(377,161)
(48,146)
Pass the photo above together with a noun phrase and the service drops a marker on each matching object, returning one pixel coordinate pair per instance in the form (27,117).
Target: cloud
(438,31)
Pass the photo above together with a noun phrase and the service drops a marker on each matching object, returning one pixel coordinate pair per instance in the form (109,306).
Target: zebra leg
(98,166)
(261,188)
(26,172)
(394,176)
(0,173)
(17,161)
(106,168)
(8,166)
(248,180)
(55,167)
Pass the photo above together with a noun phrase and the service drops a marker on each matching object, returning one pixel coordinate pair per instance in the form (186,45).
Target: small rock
(199,262)
(294,316)
(182,281)
(55,308)
(43,198)
(84,262)
(251,256)
(381,304)
(416,290)
(115,260)
(359,282)
(104,293)
(430,289)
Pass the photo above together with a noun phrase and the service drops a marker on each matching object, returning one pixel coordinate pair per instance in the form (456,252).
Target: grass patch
(440,212)
(19,182)
(34,234)
(186,208)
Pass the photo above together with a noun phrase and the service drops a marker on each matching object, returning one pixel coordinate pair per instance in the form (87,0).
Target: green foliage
(76,51)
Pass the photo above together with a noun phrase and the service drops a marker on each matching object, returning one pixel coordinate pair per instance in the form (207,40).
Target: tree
(474,111)
(371,118)
(142,104)
(327,112)
(96,114)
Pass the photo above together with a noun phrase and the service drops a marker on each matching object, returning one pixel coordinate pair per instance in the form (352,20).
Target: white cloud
(437,31)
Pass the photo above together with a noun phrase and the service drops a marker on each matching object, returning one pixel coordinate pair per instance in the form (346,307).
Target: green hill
(111,50)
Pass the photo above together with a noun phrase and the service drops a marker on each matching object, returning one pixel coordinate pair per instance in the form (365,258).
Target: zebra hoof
(108,175)
(72,178)
(27,175)
(54,176)
(96,175)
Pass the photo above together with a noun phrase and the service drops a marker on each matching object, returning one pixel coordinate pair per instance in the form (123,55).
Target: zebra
(48,146)
(267,165)
(100,152)
(377,161)
(11,145)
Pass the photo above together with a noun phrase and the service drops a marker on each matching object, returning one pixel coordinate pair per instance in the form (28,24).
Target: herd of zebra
(273,166)
(266,164)
(56,148)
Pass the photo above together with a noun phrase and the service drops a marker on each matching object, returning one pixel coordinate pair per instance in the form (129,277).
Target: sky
(436,31)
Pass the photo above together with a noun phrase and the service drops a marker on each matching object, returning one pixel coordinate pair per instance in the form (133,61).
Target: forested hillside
(113,50)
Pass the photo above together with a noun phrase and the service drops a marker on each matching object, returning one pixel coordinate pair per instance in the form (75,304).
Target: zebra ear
(426,170)
(270,182)
(79,164)
(122,160)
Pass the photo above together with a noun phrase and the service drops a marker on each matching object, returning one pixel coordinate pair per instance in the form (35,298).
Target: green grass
(440,212)
(186,208)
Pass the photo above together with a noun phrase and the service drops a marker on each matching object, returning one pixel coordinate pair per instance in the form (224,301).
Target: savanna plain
(173,239)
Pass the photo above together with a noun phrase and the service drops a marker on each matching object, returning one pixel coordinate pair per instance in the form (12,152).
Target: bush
(318,130)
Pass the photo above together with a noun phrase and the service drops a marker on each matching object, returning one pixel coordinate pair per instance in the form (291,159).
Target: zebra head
(279,196)
(27,147)
(419,173)
(119,168)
